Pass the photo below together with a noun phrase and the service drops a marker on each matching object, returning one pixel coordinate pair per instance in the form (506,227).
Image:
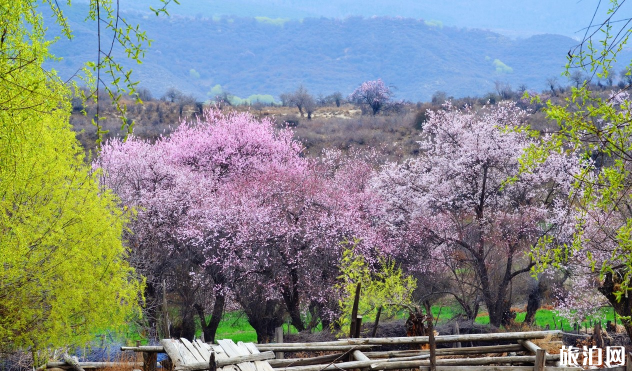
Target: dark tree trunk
(314,311)
(292,301)
(186,329)
(265,318)
(624,306)
(152,309)
(534,301)
(210,328)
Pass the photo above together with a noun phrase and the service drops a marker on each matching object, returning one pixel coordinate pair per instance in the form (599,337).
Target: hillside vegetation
(245,56)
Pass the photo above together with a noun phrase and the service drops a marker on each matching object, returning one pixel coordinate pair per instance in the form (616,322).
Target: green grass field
(235,325)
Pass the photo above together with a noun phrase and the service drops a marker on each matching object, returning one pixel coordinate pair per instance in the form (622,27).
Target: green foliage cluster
(501,67)
(387,286)
(63,271)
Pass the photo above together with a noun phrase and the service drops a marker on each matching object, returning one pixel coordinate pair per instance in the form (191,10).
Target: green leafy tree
(63,272)
(385,287)
(596,126)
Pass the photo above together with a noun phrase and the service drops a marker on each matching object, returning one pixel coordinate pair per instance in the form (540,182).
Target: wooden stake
(457,332)
(540,360)
(165,314)
(354,310)
(377,321)
(597,335)
(278,338)
(358,326)
(431,338)
(149,361)
(212,365)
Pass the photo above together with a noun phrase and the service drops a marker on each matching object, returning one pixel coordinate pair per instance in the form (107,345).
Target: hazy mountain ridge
(523,19)
(262,56)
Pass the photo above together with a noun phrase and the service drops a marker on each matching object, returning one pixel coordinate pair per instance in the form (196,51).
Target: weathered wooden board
(196,355)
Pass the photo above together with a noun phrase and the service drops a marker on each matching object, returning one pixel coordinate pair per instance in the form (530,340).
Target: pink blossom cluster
(238,193)
(374,94)
(464,199)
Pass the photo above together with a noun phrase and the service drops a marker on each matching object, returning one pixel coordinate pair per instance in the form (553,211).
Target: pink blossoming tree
(374,95)
(454,210)
(228,206)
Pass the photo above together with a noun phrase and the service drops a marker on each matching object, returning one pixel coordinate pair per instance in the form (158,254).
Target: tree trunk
(622,307)
(292,302)
(265,319)
(534,301)
(210,328)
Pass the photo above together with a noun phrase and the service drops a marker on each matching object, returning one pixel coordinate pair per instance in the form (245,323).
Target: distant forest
(245,56)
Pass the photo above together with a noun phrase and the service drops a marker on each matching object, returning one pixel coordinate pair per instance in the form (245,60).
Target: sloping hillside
(271,56)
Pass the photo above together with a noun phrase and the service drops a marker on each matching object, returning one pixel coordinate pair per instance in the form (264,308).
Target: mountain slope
(265,56)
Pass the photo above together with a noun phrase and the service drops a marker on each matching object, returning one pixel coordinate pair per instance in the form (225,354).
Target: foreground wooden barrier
(364,354)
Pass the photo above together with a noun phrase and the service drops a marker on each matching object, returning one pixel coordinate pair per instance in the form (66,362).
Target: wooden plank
(359,356)
(173,351)
(144,348)
(228,368)
(530,346)
(482,361)
(234,350)
(203,349)
(252,348)
(246,358)
(448,351)
(187,356)
(382,365)
(244,348)
(219,352)
(230,348)
(305,361)
(316,343)
(245,361)
(498,368)
(286,347)
(263,366)
(92,365)
(193,350)
(455,338)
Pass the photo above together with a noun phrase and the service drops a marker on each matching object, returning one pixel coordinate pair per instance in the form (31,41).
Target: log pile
(519,354)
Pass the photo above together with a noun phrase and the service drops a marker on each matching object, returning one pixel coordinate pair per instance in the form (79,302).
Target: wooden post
(354,310)
(358,326)
(597,335)
(212,365)
(139,357)
(278,338)
(166,333)
(431,338)
(457,332)
(377,321)
(628,361)
(540,360)
(149,361)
